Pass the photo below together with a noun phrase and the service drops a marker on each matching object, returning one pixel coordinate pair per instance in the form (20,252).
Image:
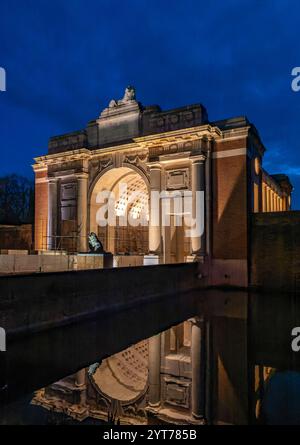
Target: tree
(16,200)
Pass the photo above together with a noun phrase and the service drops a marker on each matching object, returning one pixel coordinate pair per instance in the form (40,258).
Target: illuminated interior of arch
(131,199)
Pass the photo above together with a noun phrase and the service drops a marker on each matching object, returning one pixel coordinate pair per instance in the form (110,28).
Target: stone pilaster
(82,210)
(198,368)
(52,213)
(198,185)
(155,210)
(80,383)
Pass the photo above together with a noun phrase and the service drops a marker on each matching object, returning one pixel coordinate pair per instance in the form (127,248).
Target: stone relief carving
(138,159)
(178,179)
(65,166)
(173,120)
(174,147)
(176,392)
(97,165)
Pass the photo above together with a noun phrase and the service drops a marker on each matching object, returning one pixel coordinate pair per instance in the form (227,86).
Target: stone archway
(122,381)
(130,190)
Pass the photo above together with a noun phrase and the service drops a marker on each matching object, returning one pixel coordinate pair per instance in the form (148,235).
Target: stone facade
(157,151)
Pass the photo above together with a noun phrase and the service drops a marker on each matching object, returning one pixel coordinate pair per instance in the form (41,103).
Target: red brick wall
(16,237)
(275,251)
(232,144)
(230,204)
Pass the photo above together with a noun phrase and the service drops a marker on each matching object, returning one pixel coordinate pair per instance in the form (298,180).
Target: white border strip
(229,153)
(41,180)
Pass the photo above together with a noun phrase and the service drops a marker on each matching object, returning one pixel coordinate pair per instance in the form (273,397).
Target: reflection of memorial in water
(150,380)
(234,364)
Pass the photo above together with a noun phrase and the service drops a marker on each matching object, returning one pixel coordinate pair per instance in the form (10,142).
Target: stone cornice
(235,133)
(198,158)
(207,132)
(113,148)
(74,155)
(83,153)
(184,134)
(271,183)
(39,167)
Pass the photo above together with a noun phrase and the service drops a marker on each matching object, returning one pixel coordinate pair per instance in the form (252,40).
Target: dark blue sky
(65,59)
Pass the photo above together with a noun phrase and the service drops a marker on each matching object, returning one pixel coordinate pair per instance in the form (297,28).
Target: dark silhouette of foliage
(16,200)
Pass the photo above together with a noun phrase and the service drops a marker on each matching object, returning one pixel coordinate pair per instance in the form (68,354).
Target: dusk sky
(65,60)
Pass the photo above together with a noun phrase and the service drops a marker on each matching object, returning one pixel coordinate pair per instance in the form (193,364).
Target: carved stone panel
(172,148)
(138,159)
(176,392)
(97,165)
(65,167)
(177,179)
(156,121)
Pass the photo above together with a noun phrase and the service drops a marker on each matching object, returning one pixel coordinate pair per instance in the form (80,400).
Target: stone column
(198,185)
(208,198)
(154,370)
(80,383)
(155,211)
(198,368)
(274,202)
(52,213)
(264,198)
(82,191)
(271,200)
(268,199)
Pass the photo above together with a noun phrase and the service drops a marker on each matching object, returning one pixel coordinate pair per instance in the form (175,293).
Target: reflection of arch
(118,238)
(124,376)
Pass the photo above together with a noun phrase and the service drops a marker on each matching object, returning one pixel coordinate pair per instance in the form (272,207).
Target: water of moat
(250,338)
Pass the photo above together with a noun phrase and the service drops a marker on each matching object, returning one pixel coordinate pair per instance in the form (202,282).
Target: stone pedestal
(94,260)
(190,258)
(151,260)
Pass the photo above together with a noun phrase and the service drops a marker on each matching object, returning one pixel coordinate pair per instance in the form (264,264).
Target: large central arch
(120,239)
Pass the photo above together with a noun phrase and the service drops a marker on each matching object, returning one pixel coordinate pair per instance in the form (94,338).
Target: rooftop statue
(129,95)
